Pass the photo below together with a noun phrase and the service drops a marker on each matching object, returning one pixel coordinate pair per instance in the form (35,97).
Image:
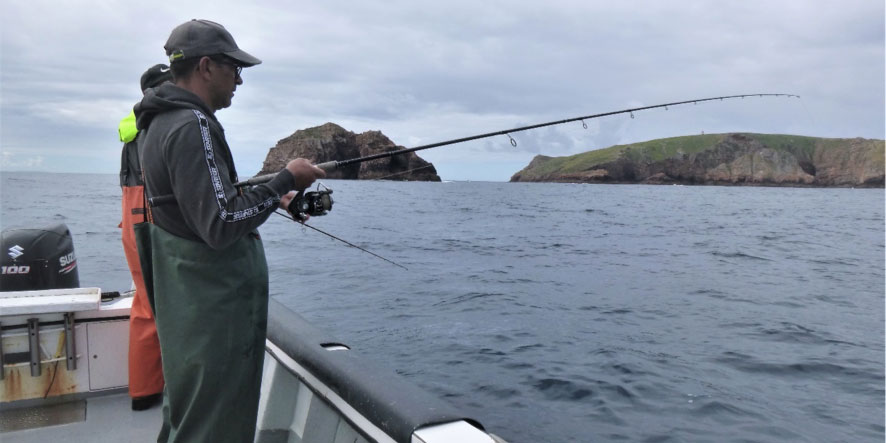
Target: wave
(463,298)
(809,368)
(740,255)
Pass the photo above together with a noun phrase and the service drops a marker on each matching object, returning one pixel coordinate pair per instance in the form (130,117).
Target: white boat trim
(49,301)
(321,389)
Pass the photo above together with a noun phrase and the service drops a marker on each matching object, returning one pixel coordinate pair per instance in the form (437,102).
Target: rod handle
(259,179)
(328,166)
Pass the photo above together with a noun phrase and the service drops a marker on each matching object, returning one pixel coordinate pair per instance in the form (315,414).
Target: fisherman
(145,369)
(202,256)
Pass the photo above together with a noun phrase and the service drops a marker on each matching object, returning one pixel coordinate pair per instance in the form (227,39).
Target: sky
(424,72)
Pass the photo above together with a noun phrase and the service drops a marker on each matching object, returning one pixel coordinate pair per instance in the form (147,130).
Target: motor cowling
(38,258)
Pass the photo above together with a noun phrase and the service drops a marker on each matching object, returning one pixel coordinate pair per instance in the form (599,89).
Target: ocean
(569,312)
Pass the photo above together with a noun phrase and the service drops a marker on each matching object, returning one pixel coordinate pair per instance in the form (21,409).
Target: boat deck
(95,420)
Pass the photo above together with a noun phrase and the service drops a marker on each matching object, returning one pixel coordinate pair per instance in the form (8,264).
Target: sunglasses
(238,69)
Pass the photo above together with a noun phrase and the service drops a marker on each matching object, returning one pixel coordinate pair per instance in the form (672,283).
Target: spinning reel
(311,203)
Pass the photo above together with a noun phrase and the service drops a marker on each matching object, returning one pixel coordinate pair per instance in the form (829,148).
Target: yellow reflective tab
(127,128)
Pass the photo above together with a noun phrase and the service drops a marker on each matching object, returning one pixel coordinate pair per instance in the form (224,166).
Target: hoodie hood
(165,98)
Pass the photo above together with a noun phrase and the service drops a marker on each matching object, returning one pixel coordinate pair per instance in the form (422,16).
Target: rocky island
(722,159)
(330,142)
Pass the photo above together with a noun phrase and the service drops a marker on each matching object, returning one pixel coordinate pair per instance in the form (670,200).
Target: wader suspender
(147,214)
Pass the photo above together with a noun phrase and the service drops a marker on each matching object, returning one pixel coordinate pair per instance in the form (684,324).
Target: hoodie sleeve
(200,176)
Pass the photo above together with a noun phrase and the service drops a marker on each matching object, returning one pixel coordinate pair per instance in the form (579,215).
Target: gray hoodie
(184,154)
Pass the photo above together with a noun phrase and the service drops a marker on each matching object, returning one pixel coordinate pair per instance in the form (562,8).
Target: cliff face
(332,142)
(727,159)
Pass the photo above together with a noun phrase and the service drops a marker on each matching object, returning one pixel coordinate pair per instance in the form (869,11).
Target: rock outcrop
(722,159)
(330,142)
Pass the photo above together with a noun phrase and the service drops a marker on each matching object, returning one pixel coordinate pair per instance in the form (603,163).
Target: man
(203,259)
(145,369)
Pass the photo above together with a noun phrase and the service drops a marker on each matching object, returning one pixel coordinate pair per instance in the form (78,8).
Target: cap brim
(243,58)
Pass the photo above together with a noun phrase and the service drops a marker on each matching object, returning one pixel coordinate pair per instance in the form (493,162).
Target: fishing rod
(320,202)
(333,165)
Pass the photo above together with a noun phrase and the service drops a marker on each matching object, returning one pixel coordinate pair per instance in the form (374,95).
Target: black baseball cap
(155,76)
(198,38)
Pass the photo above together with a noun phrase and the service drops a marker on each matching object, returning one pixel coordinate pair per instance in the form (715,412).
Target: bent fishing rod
(333,165)
(319,202)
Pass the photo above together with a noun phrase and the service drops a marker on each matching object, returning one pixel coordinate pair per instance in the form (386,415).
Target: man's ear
(204,67)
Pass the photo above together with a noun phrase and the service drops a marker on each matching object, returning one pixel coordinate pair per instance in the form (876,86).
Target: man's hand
(286,199)
(304,172)
(284,204)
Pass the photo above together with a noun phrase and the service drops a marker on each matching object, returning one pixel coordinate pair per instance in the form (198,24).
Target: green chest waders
(211,309)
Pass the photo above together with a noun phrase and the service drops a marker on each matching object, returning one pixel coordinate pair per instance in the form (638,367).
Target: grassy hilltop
(733,159)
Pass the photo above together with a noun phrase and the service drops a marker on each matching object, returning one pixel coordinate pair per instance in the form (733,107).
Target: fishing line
(343,241)
(404,172)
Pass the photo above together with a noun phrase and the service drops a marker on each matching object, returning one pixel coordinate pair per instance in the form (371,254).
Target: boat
(64,360)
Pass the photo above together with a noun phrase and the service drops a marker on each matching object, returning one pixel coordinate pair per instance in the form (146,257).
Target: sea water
(569,312)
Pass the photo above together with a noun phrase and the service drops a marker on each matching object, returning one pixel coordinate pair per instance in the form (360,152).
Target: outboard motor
(38,258)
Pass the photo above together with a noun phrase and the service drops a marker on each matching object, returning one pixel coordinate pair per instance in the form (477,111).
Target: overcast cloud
(423,72)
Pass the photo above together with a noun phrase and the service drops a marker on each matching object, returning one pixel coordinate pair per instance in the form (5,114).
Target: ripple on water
(576,389)
(808,368)
(724,412)
(498,392)
(738,255)
(559,389)
(788,332)
(471,296)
